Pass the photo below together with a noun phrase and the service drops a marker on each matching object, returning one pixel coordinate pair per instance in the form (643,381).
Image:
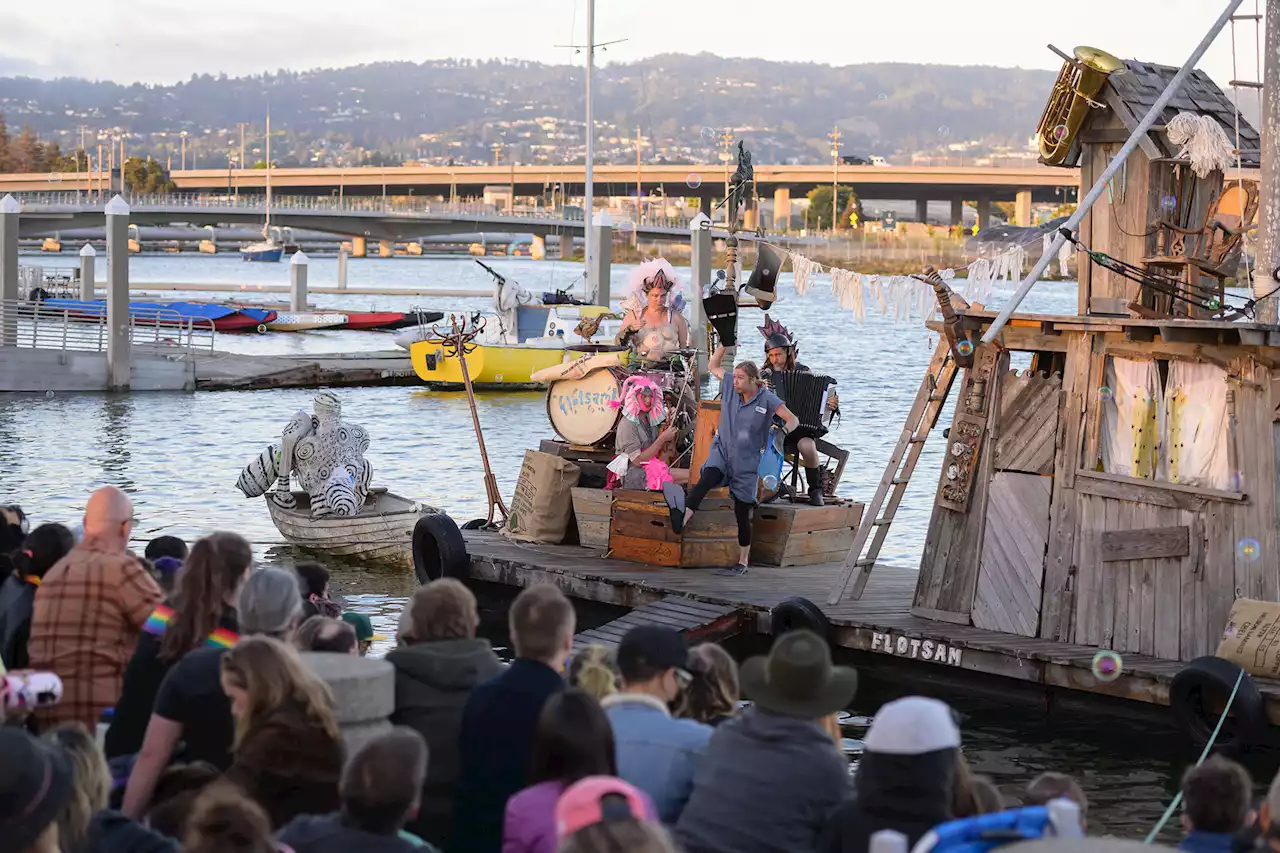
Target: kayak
(224,318)
(388,320)
(305,321)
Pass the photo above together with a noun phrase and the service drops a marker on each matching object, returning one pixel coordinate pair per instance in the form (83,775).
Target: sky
(159,41)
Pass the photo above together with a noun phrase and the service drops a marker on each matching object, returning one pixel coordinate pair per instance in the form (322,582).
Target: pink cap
(582,804)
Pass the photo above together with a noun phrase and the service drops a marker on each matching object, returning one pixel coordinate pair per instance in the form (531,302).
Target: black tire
(1246,724)
(476,524)
(795,613)
(438,549)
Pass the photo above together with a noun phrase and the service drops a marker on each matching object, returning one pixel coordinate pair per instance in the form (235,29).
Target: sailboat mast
(588,201)
(266,229)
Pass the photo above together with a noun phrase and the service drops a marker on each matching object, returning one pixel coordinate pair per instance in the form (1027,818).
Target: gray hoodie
(766,784)
(433,681)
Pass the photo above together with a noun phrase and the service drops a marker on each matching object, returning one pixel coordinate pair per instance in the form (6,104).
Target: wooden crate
(591,509)
(704,430)
(640,531)
(801,535)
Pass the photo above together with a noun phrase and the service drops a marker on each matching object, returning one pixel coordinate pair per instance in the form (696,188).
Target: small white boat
(305,320)
(382,531)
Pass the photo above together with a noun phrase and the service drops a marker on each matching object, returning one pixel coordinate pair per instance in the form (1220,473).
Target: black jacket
(433,681)
(328,834)
(112,832)
(495,746)
(907,793)
(17,597)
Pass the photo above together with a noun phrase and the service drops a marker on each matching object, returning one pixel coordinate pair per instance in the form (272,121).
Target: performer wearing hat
(780,356)
(654,317)
(747,409)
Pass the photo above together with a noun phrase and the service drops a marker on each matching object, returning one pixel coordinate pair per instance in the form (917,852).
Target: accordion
(805,394)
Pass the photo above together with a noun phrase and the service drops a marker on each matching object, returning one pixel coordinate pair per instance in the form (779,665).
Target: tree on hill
(146,176)
(819,213)
(26,152)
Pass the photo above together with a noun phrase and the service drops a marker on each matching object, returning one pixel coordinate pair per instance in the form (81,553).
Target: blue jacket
(656,753)
(1207,842)
(495,747)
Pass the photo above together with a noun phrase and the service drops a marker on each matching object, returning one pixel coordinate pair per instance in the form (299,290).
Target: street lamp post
(183,134)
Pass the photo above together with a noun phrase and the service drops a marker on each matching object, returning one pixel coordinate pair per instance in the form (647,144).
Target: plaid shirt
(89,610)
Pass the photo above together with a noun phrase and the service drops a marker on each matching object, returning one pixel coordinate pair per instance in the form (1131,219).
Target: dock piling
(700,275)
(87,259)
(10,211)
(599,284)
(342,269)
(119,342)
(298,282)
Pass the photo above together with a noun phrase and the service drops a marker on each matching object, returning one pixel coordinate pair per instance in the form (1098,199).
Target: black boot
(814,478)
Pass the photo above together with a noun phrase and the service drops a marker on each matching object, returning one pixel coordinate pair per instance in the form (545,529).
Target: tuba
(1079,81)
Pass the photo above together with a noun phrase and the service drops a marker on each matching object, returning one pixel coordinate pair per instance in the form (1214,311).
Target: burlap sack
(543,502)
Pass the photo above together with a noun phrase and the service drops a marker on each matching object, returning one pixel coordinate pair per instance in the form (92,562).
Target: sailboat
(267,250)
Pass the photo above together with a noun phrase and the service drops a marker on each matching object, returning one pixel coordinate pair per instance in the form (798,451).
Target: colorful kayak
(388,320)
(223,317)
(305,321)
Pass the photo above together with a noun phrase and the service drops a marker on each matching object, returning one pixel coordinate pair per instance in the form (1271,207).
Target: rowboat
(304,321)
(381,532)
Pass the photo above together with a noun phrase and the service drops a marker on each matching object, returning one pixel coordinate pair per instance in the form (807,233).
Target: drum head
(581,410)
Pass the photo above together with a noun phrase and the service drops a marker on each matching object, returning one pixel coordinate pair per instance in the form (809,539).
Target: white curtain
(1195,444)
(1131,415)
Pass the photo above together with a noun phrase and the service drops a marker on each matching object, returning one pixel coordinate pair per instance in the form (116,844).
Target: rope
(1164,818)
(1203,142)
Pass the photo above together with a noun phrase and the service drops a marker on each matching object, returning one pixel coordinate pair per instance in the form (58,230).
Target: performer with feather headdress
(654,324)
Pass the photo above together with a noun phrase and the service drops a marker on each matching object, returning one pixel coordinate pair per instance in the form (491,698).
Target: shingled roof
(1137,90)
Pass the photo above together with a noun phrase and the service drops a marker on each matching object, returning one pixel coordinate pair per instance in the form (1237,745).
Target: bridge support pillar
(705,204)
(385,249)
(599,287)
(782,208)
(10,210)
(357,247)
(1022,208)
(298,282)
(922,210)
(119,339)
(87,259)
(700,273)
(984,212)
(342,269)
(566,246)
(538,247)
(750,217)
(957,211)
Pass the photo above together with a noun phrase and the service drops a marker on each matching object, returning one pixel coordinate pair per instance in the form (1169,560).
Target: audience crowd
(191,718)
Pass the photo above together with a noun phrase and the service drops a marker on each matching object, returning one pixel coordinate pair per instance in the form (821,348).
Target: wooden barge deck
(878,623)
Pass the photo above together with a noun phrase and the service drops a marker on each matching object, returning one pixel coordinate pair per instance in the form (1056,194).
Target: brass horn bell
(1077,85)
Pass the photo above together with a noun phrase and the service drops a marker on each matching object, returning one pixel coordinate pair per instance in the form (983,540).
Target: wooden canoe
(382,531)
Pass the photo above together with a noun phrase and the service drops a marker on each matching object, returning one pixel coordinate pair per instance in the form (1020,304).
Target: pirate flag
(722,313)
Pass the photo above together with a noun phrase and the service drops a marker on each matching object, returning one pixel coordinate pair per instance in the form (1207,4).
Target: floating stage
(877,629)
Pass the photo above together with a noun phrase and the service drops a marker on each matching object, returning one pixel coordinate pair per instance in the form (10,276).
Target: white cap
(913,726)
(88,251)
(696,224)
(299,258)
(603,219)
(9,204)
(117,207)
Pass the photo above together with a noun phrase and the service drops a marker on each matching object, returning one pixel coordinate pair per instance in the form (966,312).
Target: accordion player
(805,394)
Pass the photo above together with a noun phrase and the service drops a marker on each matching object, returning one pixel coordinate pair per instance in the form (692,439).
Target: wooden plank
(704,431)
(709,553)
(593,533)
(1193,596)
(1028,423)
(1168,577)
(779,519)
(1140,490)
(777,552)
(1146,543)
(642,522)
(1013,552)
(591,501)
(622,547)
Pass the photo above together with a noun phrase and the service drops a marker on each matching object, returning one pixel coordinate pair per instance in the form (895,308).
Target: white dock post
(298,282)
(700,275)
(10,211)
(342,269)
(119,340)
(87,272)
(599,285)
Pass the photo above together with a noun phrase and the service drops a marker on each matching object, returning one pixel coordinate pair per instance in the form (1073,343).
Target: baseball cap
(599,798)
(364,628)
(913,726)
(35,786)
(651,646)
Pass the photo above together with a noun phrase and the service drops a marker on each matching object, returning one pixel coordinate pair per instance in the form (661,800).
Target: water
(179,456)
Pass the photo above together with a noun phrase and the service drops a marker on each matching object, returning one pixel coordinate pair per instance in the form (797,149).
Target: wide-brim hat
(798,679)
(35,786)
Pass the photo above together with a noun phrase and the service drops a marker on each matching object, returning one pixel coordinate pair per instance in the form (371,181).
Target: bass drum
(582,410)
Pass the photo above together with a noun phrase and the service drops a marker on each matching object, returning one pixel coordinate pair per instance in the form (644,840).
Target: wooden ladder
(933,392)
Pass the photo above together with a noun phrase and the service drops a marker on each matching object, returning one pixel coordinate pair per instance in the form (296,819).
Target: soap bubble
(882,97)
(1168,203)
(1248,550)
(964,348)
(708,134)
(1059,133)
(48,394)
(944,131)
(1236,481)
(1105,394)
(1107,665)
(693,181)
(1212,303)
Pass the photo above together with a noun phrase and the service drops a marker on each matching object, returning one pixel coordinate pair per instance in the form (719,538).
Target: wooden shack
(1120,490)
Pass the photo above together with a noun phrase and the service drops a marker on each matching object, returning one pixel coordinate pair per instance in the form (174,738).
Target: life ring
(797,612)
(438,549)
(1245,726)
(262,328)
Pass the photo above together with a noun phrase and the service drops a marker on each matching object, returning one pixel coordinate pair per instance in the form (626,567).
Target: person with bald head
(89,611)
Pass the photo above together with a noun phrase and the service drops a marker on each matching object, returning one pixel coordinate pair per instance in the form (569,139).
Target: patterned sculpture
(324,452)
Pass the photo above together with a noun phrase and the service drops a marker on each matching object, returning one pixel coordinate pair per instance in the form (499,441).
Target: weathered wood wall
(1121,209)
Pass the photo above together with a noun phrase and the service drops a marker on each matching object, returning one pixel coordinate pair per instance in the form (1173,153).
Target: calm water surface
(179,456)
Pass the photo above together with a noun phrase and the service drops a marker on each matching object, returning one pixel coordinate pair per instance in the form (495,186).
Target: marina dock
(225,371)
(876,629)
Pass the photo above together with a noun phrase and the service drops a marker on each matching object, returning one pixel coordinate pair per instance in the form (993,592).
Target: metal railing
(38,325)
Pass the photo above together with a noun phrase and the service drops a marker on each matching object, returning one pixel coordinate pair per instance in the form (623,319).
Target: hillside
(459,108)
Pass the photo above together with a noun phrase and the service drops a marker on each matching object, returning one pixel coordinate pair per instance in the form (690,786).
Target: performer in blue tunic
(747,410)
